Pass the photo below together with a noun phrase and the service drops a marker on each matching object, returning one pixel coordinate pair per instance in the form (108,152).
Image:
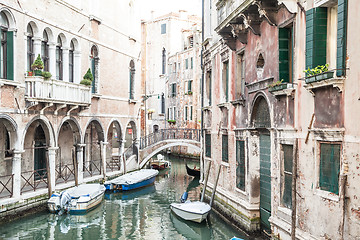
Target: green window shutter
(93,73)
(225,149)
(208,145)
(287,186)
(329,167)
(192,64)
(10,56)
(316,37)
(130,85)
(341,37)
(284,53)
(240,165)
(227,83)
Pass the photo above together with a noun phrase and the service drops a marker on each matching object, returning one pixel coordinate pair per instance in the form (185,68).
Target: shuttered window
(207,145)
(329,167)
(240,164)
(173,89)
(341,37)
(287,175)
(285,54)
(316,37)
(10,56)
(225,148)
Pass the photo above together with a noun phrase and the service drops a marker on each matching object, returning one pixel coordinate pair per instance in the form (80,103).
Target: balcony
(38,90)
(323,80)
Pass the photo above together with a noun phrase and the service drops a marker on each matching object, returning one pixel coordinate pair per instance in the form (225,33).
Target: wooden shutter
(316,37)
(284,54)
(10,56)
(208,145)
(341,37)
(240,165)
(329,167)
(93,73)
(225,148)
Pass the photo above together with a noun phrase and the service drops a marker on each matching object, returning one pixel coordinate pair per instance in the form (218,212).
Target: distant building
(56,132)
(285,141)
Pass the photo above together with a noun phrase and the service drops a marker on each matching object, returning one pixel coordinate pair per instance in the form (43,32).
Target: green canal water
(141,214)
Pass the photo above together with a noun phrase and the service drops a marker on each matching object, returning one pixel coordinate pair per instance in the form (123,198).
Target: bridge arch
(158,147)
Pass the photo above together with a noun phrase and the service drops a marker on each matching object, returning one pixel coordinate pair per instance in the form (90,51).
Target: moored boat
(77,200)
(160,165)
(192,171)
(193,211)
(133,180)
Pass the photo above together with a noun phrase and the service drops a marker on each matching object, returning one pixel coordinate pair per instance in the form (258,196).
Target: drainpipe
(202,162)
(293,202)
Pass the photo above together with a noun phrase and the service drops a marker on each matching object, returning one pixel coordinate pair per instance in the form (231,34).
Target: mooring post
(215,185)
(206,180)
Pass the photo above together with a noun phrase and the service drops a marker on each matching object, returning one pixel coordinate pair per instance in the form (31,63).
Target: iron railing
(33,180)
(6,185)
(64,173)
(171,133)
(113,164)
(131,150)
(92,168)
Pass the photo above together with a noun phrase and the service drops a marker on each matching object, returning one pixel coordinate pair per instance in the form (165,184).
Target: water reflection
(140,214)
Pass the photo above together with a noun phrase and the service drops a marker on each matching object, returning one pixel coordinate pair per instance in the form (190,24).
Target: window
(225,148)
(208,87)
(94,67)
(189,86)
(207,145)
(191,63)
(30,47)
(225,80)
(191,113)
(329,167)
(163,61)
(131,79)
(240,164)
(163,28)
(186,113)
(186,63)
(59,59)
(45,51)
(173,89)
(240,75)
(71,62)
(174,113)
(286,178)
(285,54)
(191,41)
(162,103)
(6,49)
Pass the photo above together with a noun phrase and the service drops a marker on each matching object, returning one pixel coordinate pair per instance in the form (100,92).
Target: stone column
(51,169)
(52,59)
(65,60)
(80,162)
(122,145)
(103,157)
(77,67)
(37,47)
(16,170)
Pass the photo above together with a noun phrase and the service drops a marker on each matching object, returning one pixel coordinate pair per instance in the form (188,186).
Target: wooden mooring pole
(215,185)
(206,180)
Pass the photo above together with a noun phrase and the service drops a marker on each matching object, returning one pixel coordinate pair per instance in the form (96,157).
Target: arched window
(94,67)
(163,60)
(71,62)
(30,46)
(6,49)
(132,79)
(45,50)
(59,59)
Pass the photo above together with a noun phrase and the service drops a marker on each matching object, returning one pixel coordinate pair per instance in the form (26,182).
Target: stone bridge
(154,143)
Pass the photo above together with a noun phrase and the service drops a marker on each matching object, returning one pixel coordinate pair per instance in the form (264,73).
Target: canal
(141,214)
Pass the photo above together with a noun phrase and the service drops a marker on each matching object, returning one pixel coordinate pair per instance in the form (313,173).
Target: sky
(161,7)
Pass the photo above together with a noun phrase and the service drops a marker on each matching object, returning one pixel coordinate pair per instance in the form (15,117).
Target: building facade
(279,96)
(56,132)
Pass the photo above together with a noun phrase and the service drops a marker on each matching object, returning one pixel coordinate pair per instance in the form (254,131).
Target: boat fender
(184,197)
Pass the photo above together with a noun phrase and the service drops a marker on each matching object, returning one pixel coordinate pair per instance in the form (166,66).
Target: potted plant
(278,85)
(88,78)
(29,73)
(46,75)
(37,66)
(171,121)
(190,92)
(321,72)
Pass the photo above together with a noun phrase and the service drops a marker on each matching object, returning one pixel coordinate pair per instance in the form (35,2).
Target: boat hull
(189,215)
(127,187)
(84,207)
(192,172)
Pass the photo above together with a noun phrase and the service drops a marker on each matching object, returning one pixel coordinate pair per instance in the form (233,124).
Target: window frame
(243,178)
(225,148)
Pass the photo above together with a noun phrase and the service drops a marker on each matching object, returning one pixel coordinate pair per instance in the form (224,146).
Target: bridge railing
(171,133)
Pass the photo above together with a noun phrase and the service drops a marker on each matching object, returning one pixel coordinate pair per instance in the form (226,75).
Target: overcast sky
(161,7)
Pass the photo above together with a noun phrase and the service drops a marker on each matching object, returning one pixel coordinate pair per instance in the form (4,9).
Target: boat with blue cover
(77,200)
(133,180)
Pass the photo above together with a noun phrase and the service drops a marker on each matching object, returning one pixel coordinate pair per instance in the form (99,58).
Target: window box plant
(190,92)
(37,66)
(318,73)
(276,86)
(171,121)
(88,78)
(29,73)
(46,75)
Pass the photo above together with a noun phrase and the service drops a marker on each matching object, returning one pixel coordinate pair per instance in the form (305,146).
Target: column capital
(81,145)
(18,151)
(104,143)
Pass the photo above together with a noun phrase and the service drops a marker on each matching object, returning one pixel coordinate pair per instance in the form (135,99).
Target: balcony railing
(55,91)
(225,8)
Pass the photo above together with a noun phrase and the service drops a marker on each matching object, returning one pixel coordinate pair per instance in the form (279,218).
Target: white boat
(77,200)
(133,180)
(192,211)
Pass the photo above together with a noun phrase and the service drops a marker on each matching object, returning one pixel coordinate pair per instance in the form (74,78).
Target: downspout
(293,194)
(202,89)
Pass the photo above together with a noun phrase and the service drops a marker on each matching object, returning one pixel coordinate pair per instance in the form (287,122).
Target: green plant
(88,75)
(86,82)
(190,92)
(38,64)
(277,83)
(171,121)
(46,74)
(317,70)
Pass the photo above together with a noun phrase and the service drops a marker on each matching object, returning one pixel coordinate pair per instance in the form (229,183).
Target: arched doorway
(260,120)
(94,135)
(34,164)
(113,149)
(66,161)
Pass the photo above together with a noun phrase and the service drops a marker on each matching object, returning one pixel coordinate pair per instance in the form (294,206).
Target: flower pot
(278,87)
(37,72)
(310,79)
(320,77)
(30,74)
